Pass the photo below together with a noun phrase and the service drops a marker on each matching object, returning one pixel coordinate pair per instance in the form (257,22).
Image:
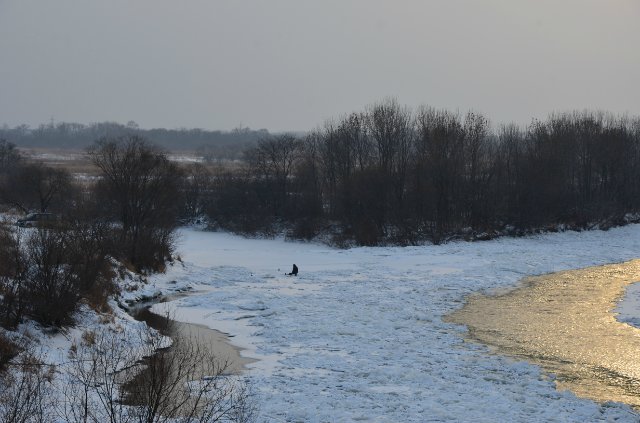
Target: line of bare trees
(387,174)
(391,174)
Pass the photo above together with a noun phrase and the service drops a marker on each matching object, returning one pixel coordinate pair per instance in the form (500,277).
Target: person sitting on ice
(294,272)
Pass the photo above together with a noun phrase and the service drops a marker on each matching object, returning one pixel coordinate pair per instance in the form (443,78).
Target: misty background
(287,65)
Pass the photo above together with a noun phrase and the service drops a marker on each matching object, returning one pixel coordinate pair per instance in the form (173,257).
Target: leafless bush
(9,156)
(184,383)
(13,268)
(8,350)
(157,245)
(25,392)
(45,273)
(52,290)
(89,249)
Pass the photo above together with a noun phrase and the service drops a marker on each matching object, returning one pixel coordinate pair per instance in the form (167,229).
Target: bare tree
(440,153)
(478,167)
(390,127)
(139,187)
(196,183)
(510,173)
(272,161)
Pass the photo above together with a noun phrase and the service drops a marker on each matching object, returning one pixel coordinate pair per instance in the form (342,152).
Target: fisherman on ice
(294,272)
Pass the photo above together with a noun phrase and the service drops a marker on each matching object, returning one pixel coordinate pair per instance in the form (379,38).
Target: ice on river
(359,336)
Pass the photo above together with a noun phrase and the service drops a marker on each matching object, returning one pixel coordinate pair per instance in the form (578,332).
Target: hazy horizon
(290,65)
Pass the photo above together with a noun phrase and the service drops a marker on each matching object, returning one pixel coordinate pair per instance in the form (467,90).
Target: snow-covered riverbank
(358,335)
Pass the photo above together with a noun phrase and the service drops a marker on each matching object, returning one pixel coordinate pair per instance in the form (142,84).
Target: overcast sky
(291,64)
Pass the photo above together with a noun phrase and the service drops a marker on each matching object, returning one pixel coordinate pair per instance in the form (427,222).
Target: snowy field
(359,335)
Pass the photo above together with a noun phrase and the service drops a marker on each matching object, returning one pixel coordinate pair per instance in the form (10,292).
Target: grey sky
(291,64)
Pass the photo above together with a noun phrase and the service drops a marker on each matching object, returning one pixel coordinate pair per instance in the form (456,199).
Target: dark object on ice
(294,272)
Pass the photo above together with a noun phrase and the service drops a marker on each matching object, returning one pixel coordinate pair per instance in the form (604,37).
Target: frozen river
(359,335)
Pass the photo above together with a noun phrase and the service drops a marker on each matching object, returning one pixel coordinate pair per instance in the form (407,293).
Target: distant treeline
(392,174)
(211,144)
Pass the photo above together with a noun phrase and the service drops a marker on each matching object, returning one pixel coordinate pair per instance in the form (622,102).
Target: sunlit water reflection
(564,322)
